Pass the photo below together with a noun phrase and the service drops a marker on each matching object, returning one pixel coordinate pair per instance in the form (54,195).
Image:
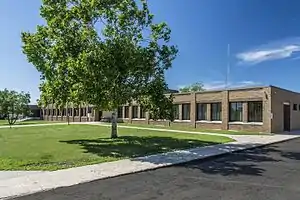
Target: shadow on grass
(133,146)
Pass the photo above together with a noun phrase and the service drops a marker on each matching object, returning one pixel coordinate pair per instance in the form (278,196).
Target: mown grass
(65,146)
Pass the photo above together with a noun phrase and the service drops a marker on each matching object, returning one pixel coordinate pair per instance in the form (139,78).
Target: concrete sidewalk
(49,180)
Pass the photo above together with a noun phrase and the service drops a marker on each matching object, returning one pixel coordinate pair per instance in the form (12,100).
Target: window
(216,112)
(295,107)
(120,112)
(201,111)
(135,112)
(142,113)
(70,112)
(83,112)
(186,111)
(176,111)
(255,110)
(236,112)
(299,107)
(126,115)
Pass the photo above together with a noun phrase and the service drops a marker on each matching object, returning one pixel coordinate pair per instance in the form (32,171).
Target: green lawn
(58,147)
(187,128)
(5,123)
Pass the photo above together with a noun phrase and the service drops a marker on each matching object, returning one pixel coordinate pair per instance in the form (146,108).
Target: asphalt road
(271,173)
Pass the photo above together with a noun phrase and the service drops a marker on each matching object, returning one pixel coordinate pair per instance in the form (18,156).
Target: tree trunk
(68,118)
(114,130)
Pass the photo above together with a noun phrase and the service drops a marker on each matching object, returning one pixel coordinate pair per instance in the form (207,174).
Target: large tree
(195,87)
(102,52)
(14,105)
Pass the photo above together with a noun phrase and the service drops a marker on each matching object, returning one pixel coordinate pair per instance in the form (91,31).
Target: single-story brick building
(258,109)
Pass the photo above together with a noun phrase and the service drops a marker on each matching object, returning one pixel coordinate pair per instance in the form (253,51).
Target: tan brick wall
(201,125)
(247,127)
(209,97)
(279,96)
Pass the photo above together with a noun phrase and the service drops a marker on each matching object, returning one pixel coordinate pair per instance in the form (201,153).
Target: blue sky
(264,38)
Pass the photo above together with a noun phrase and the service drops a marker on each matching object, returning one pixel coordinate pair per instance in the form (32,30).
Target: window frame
(134,115)
(186,116)
(176,111)
(201,116)
(254,118)
(142,113)
(120,112)
(295,107)
(218,115)
(238,116)
(126,112)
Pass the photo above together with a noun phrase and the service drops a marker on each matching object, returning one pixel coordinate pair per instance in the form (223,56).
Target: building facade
(256,109)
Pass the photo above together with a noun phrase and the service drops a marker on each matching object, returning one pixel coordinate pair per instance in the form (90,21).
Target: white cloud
(272,51)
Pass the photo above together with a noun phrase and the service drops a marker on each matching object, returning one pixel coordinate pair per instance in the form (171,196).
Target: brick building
(258,109)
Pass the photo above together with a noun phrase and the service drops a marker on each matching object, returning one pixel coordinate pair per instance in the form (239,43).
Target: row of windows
(135,112)
(255,110)
(64,112)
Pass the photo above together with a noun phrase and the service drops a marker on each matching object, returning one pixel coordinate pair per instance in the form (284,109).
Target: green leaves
(101,52)
(195,87)
(14,104)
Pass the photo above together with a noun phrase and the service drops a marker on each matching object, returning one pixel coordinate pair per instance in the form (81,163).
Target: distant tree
(122,63)
(13,105)
(195,87)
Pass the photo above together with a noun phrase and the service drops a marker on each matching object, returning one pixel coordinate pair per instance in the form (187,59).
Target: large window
(126,109)
(255,111)
(142,113)
(186,108)
(135,112)
(176,111)
(236,112)
(216,112)
(120,112)
(201,111)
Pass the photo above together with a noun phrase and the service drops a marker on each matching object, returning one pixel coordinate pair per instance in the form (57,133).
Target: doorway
(286,117)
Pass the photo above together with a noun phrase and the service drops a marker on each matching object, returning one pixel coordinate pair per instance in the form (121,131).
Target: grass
(59,147)
(188,128)
(5,123)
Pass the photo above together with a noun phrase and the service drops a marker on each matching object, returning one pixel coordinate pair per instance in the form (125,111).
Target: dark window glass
(255,111)
(126,112)
(120,112)
(201,111)
(176,111)
(299,107)
(135,112)
(216,111)
(186,111)
(295,107)
(142,113)
(64,112)
(236,112)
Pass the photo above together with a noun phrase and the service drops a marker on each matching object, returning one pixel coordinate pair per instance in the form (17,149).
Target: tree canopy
(195,87)
(103,53)
(14,105)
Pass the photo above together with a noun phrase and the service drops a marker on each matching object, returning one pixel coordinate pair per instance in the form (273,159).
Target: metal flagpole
(228,67)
